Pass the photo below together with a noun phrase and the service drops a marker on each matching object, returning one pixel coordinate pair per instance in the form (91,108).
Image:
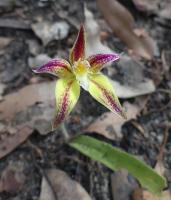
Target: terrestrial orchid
(84,72)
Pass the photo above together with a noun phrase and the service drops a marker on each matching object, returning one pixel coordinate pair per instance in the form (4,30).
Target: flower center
(81,67)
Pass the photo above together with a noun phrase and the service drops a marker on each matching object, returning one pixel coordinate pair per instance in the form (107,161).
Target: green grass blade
(116,159)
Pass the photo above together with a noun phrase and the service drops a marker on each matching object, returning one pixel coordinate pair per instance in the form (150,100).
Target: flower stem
(64,131)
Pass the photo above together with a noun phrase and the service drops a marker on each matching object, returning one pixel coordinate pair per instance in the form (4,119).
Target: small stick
(162,147)
(43,173)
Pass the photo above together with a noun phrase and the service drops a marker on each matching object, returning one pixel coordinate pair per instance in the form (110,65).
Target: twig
(162,147)
(138,127)
(164,90)
(43,173)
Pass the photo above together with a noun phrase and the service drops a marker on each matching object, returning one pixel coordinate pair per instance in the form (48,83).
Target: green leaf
(116,159)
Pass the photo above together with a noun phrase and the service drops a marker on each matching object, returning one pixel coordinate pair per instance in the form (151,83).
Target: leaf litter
(48,31)
(64,188)
(121,22)
(13,125)
(131,86)
(139,193)
(110,125)
(34,109)
(12,177)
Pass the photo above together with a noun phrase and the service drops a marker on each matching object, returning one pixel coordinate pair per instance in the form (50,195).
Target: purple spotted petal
(78,50)
(57,67)
(97,61)
(67,93)
(102,90)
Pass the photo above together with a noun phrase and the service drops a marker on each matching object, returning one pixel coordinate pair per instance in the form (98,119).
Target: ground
(147,136)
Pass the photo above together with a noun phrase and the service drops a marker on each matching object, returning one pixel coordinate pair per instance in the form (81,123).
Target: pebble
(160,138)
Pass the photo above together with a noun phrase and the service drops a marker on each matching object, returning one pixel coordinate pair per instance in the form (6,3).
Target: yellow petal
(67,93)
(102,90)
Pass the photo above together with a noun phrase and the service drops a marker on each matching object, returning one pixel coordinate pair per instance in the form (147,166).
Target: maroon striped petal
(57,67)
(97,61)
(78,50)
(102,90)
(67,93)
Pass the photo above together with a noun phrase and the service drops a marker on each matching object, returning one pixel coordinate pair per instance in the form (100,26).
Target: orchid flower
(84,72)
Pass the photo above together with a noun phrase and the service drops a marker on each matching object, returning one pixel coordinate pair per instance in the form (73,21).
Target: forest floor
(29,149)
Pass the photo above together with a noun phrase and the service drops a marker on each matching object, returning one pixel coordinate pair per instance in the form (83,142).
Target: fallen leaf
(133,85)
(121,22)
(166,195)
(93,44)
(133,82)
(63,186)
(34,107)
(123,185)
(124,91)
(48,31)
(13,141)
(165,13)
(25,97)
(109,125)
(12,178)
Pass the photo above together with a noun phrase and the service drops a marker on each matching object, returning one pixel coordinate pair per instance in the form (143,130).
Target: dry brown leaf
(109,125)
(166,195)
(13,141)
(139,194)
(27,96)
(121,22)
(63,186)
(31,106)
